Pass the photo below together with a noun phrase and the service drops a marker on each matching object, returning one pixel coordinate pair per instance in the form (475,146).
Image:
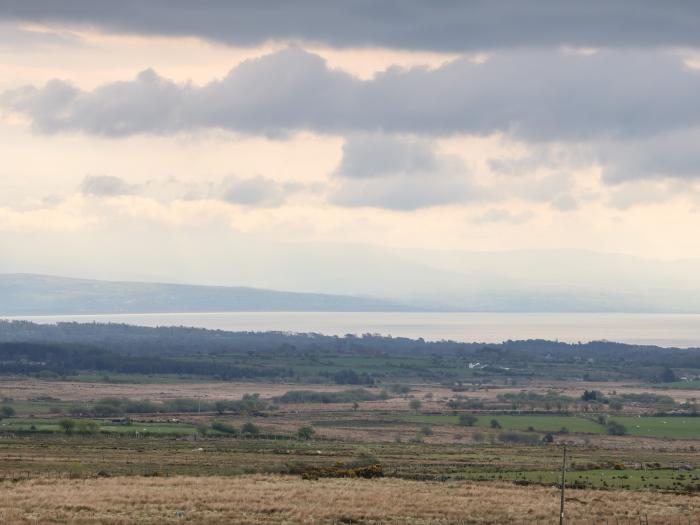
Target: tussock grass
(259,499)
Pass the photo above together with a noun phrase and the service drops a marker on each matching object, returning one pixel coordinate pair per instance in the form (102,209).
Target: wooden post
(563,482)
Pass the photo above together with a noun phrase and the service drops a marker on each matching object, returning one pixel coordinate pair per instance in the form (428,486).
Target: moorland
(210,426)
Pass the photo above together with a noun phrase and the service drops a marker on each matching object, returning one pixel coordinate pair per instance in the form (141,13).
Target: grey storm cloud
(535,96)
(105,186)
(441,25)
(401,173)
(19,39)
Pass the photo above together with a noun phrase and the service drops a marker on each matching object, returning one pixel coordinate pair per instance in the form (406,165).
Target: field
(258,500)
(344,431)
(649,426)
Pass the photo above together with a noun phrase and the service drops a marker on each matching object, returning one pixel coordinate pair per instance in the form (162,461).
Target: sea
(680,330)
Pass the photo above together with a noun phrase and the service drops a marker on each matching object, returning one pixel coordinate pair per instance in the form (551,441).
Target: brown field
(27,389)
(83,391)
(285,499)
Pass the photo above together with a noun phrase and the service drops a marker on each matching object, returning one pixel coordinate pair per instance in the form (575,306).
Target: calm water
(659,329)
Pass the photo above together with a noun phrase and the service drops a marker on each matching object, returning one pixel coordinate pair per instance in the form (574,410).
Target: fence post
(563,482)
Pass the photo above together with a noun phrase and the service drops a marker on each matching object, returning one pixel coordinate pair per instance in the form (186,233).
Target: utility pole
(563,482)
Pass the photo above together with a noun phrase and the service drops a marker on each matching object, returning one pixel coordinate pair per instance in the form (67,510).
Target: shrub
(250,429)
(76,471)
(350,377)
(103,409)
(467,420)
(220,426)
(495,424)
(310,396)
(478,437)
(593,395)
(469,404)
(7,411)
(141,407)
(518,437)
(426,430)
(415,404)
(86,426)
(67,425)
(616,429)
(305,433)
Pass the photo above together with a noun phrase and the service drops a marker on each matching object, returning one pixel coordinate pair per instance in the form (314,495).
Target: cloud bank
(403,24)
(535,96)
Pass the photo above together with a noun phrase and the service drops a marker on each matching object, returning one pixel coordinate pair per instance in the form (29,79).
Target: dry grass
(79,391)
(23,389)
(284,499)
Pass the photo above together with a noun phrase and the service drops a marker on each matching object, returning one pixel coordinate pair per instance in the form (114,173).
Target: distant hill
(31,294)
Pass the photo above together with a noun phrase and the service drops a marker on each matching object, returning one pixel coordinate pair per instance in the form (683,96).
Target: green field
(507,422)
(44,425)
(679,385)
(665,427)
(658,479)
(658,427)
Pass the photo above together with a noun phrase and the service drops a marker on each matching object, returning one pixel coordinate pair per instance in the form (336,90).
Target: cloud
(673,155)
(255,191)
(401,173)
(370,156)
(403,24)
(633,193)
(105,186)
(533,96)
(20,39)
(495,215)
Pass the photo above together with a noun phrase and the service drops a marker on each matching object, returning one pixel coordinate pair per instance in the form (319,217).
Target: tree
(415,404)
(67,425)
(305,433)
(250,429)
(668,375)
(225,428)
(495,423)
(616,429)
(8,411)
(593,395)
(86,426)
(467,420)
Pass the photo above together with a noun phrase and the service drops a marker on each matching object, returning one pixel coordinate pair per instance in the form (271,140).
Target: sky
(316,145)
